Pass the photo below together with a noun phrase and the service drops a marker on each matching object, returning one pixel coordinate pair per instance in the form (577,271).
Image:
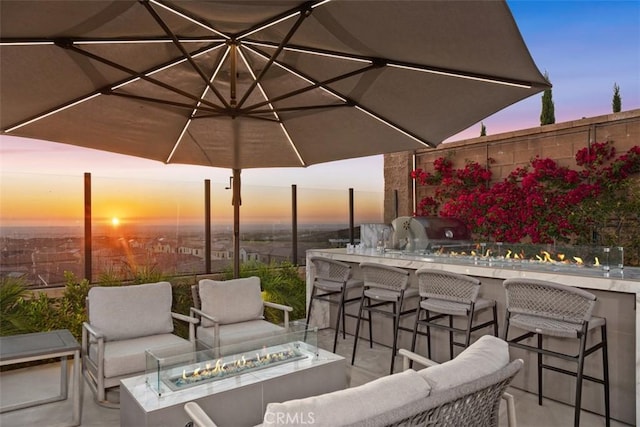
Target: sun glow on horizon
(115,221)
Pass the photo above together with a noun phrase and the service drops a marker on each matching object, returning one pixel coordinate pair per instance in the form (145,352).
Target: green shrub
(13,317)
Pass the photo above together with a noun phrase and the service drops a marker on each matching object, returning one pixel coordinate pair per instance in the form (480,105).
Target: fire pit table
(235,383)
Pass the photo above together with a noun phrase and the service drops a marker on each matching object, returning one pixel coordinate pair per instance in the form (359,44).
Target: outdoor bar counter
(618,300)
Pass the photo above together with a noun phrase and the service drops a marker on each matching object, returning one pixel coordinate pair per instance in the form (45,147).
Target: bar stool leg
(539,370)
(415,328)
(428,335)
(339,314)
(583,346)
(355,338)
(450,337)
(396,322)
(495,320)
(605,373)
(370,325)
(311,298)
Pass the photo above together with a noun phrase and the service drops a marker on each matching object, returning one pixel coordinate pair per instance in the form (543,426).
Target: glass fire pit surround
(170,370)
(530,256)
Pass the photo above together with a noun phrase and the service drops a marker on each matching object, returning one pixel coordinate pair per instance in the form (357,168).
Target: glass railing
(147,227)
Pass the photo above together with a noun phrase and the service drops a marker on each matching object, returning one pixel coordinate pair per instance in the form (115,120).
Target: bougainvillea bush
(542,202)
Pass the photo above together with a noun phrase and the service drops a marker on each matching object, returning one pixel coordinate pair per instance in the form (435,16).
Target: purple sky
(585,46)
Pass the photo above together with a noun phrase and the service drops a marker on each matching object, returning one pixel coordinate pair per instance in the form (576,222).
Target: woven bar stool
(444,296)
(331,281)
(548,309)
(384,286)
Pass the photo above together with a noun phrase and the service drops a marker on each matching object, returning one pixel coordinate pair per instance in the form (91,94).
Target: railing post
(294,224)
(352,232)
(88,269)
(207,226)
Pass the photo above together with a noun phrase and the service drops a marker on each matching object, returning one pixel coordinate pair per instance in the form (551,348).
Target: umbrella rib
(158,101)
(186,54)
(135,74)
(102,91)
(305,13)
(406,65)
(279,18)
(353,103)
(312,85)
(275,114)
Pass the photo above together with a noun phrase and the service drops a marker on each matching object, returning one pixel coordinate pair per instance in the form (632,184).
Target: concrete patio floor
(18,385)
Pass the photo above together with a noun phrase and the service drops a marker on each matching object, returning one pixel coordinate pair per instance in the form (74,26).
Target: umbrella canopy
(252,84)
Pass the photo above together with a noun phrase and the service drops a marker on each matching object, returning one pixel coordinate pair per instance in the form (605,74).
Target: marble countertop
(616,280)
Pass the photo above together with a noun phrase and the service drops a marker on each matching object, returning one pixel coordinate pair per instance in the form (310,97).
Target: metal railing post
(88,245)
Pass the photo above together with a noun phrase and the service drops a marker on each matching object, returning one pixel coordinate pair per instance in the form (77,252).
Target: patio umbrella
(253,84)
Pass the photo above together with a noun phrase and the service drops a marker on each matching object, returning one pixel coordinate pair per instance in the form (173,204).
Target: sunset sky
(585,46)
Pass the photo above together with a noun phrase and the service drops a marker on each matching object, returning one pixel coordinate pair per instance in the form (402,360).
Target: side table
(46,345)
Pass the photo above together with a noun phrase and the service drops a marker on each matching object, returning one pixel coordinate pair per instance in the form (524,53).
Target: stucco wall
(507,151)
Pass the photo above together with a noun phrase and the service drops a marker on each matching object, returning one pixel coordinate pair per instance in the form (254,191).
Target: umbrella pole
(236,201)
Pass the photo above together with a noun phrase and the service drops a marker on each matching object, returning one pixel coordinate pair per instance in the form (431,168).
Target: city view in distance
(151,224)
(41,255)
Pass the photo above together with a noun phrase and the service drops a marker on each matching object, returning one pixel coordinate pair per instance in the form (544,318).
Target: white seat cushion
(483,357)
(344,407)
(122,312)
(239,332)
(231,301)
(127,357)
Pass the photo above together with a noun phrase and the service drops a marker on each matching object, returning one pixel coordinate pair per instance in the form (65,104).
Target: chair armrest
(511,409)
(198,416)
(277,306)
(199,312)
(92,330)
(192,321)
(285,309)
(409,356)
(185,318)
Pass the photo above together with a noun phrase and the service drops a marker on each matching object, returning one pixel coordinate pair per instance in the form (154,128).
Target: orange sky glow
(31,199)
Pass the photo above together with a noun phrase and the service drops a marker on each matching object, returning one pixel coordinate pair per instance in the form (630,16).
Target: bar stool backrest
(329,270)
(447,286)
(384,276)
(550,300)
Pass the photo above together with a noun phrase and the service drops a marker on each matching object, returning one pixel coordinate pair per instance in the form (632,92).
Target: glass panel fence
(146,229)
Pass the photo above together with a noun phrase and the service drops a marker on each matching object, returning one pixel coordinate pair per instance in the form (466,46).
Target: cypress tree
(547,116)
(483,129)
(617,99)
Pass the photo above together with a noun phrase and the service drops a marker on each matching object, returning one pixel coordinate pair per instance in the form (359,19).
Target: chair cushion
(231,301)
(122,312)
(239,332)
(343,407)
(127,357)
(483,357)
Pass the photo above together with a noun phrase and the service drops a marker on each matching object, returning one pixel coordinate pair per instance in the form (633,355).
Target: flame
(578,260)
(547,256)
(561,257)
(508,255)
(596,262)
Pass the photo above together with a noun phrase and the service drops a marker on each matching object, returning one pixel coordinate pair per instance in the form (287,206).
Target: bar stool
(383,286)
(332,278)
(548,309)
(445,295)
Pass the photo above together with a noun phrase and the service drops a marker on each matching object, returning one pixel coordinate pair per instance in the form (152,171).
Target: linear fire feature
(222,368)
